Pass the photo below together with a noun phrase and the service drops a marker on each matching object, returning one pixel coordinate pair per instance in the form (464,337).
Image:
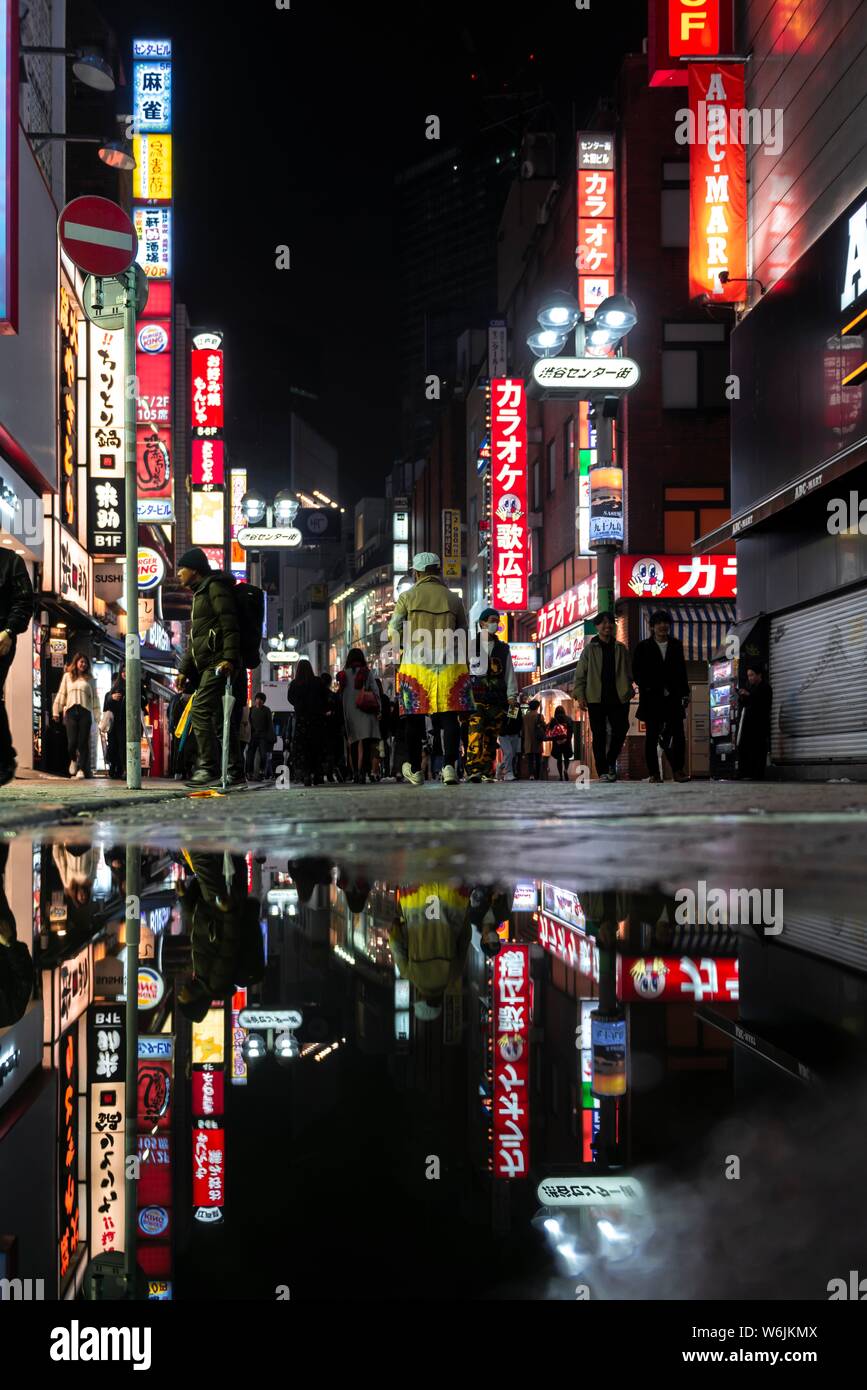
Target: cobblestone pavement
(805,836)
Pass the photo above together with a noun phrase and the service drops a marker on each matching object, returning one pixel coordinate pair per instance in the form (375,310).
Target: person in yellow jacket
(430,626)
(429,941)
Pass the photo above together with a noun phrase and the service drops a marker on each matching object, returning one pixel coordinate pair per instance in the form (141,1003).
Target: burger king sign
(151,569)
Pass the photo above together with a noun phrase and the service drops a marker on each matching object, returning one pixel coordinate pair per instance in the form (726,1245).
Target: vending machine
(723,691)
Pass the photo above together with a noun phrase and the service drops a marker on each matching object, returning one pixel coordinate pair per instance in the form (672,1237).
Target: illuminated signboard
(207,388)
(676,576)
(606,506)
(154,371)
(596,227)
(570,607)
(208,469)
(8,166)
(67,1168)
(523,657)
(562,650)
(680,29)
(451,546)
(510,537)
(153,227)
(206,518)
(674,979)
(717,181)
(68,360)
(152,176)
(154,461)
(209,1168)
(107,1184)
(209,1043)
(511,1108)
(237,488)
(239,1065)
(106,519)
(152,94)
(208,1091)
(106,377)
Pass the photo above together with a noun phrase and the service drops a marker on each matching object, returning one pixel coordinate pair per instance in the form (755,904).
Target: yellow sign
(152,176)
(209,1038)
(451,556)
(503,629)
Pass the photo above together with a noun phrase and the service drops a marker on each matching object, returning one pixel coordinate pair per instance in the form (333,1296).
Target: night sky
(289,127)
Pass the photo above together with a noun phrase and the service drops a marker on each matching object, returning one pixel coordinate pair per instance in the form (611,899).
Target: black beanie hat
(195,559)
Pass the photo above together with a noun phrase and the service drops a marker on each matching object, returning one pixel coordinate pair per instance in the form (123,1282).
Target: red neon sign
(512,1062)
(717,182)
(510,548)
(207,378)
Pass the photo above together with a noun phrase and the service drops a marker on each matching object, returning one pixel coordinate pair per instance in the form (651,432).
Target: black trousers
(207,722)
(7,752)
(450,735)
(258,743)
(605,753)
(78,721)
(534,765)
(665,725)
(563,759)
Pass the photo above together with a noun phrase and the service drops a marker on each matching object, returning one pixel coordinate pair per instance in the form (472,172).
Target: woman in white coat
(77,704)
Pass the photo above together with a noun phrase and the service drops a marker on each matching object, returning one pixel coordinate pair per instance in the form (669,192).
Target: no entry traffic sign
(97,236)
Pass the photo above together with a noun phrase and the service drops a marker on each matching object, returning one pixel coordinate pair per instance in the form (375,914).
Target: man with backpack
(218,637)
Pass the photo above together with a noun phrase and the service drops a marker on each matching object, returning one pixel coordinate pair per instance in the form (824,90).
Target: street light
(559,312)
(117,154)
(253,507)
(617,313)
(546,343)
(286,507)
(88,65)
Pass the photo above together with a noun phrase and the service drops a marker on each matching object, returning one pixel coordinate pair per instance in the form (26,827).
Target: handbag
(367,702)
(559,733)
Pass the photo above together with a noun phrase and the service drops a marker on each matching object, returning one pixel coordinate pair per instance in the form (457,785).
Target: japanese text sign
(510,537)
(511,1117)
(676,576)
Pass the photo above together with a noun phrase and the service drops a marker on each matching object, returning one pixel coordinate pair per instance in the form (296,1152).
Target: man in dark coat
(754,724)
(16,610)
(659,670)
(214,655)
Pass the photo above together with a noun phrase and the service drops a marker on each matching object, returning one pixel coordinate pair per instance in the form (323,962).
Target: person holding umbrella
(212,667)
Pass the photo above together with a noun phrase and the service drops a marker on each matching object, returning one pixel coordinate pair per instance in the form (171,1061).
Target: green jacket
(588,676)
(215,634)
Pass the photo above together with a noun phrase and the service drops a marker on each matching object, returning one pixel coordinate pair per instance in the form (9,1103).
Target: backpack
(251,618)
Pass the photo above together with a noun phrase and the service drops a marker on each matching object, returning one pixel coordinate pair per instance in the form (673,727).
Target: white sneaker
(73,768)
(78,774)
(450,777)
(415,779)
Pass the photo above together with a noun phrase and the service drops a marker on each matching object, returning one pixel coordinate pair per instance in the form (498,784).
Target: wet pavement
(527,1041)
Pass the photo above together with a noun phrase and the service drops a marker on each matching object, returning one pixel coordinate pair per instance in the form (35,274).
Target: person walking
(603,687)
(212,658)
(510,745)
(533,738)
(309,699)
(429,624)
(754,723)
(559,731)
(77,704)
(361,711)
(495,692)
(659,671)
(261,738)
(16,610)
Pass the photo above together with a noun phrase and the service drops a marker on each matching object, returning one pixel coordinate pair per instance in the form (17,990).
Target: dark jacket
(654,676)
(261,722)
(215,633)
(755,722)
(16,593)
(309,699)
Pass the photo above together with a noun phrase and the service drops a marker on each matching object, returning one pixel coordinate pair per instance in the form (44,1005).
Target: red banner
(675,979)
(154,460)
(510,559)
(512,1062)
(208,464)
(209,1155)
(207,379)
(208,1091)
(717,181)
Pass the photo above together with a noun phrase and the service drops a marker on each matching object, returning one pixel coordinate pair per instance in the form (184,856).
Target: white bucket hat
(425,558)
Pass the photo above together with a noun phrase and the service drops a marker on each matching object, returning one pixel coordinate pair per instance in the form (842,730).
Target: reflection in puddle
(498,1089)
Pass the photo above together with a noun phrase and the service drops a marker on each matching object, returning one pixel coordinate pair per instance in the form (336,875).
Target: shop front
(799,474)
(560,634)
(699,595)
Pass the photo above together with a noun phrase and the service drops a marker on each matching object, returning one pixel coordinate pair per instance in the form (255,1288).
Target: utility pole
(133,645)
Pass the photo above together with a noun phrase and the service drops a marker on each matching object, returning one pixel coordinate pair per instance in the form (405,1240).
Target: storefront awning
(757,516)
(701,627)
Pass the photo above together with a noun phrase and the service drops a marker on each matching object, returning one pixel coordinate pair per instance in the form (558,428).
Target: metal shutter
(817,668)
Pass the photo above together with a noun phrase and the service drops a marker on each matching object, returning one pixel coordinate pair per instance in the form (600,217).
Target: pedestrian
(115,705)
(77,704)
(429,624)
(659,671)
(495,692)
(510,745)
(309,699)
(361,710)
(261,738)
(603,687)
(429,940)
(212,658)
(533,738)
(754,723)
(16,611)
(559,732)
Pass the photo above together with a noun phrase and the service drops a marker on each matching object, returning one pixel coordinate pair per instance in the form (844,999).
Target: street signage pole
(133,645)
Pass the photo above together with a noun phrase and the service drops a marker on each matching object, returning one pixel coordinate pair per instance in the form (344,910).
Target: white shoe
(73,767)
(450,777)
(79,774)
(415,779)
(488,779)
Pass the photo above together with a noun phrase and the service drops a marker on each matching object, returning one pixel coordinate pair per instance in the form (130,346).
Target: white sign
(107,373)
(620,1191)
(207,340)
(855,278)
(151,569)
(273,537)
(564,649)
(155,509)
(582,375)
(269,1018)
(523,657)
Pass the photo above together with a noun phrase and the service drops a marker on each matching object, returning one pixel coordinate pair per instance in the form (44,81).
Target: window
(569,446)
(695,365)
(686,518)
(674,204)
(537,486)
(552,465)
